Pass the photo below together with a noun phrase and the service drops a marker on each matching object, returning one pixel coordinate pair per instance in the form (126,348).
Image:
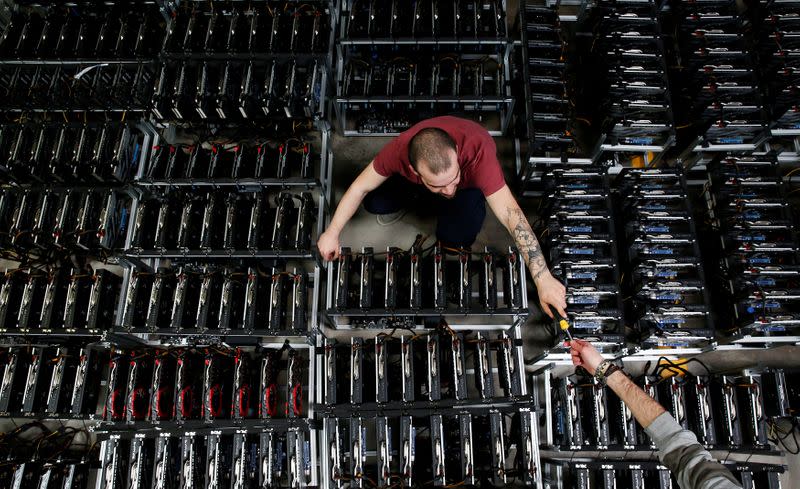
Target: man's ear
(412,169)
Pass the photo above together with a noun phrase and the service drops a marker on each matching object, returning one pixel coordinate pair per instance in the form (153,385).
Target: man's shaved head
(431,145)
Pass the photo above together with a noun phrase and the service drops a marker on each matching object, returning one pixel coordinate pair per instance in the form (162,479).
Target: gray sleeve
(692,465)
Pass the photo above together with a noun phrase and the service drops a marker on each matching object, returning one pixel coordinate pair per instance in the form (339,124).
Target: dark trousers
(459,220)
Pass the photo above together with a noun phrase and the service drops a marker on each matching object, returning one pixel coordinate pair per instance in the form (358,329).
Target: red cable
(270,404)
(297,395)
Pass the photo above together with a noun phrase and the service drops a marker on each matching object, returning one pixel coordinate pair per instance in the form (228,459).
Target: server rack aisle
(225,226)
(75,84)
(703,254)
(208,282)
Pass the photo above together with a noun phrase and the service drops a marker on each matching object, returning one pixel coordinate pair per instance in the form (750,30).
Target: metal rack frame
(345,47)
(421,408)
(377,318)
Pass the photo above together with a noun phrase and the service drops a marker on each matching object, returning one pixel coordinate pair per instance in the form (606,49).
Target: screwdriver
(564,325)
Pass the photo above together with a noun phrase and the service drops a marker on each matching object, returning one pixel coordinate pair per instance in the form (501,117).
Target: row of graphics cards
(757,246)
(724,412)
(154,385)
(636,238)
(631,42)
(440,76)
(193,300)
(779,53)
(224,222)
(225,90)
(434,368)
(435,57)
(93,219)
(64,33)
(117,33)
(88,86)
(78,154)
(275,28)
(175,164)
(58,302)
(186,90)
(609,474)
(62,473)
(548,109)
(721,83)
(425,20)
(62,382)
(493,447)
(582,246)
(211,459)
(667,282)
(418,280)
(207,385)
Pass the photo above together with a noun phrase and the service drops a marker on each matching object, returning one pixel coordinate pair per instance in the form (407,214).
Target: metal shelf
(502,107)
(219,254)
(63,335)
(232,334)
(202,427)
(75,61)
(242,183)
(372,320)
(225,57)
(141,187)
(444,406)
(72,109)
(426,100)
(47,417)
(422,41)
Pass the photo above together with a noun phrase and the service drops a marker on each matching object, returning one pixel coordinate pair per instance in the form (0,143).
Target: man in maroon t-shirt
(456,161)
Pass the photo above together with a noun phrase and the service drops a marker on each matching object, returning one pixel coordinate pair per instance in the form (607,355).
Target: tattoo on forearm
(526,241)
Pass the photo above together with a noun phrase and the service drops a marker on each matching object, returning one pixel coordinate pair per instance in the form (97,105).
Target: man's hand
(367,181)
(328,244)
(585,355)
(552,293)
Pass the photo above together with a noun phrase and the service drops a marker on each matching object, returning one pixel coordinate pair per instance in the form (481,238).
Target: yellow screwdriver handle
(564,325)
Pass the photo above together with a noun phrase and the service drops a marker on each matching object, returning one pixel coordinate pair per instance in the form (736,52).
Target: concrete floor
(353,154)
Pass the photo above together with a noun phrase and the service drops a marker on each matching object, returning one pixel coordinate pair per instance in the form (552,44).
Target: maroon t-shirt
(477,154)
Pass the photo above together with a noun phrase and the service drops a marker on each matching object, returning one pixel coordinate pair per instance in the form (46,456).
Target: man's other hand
(552,293)
(328,244)
(585,355)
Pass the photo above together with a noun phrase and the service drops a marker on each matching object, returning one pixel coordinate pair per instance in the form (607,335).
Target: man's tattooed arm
(526,241)
(552,294)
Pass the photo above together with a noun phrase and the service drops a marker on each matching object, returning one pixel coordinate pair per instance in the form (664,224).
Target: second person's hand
(585,355)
